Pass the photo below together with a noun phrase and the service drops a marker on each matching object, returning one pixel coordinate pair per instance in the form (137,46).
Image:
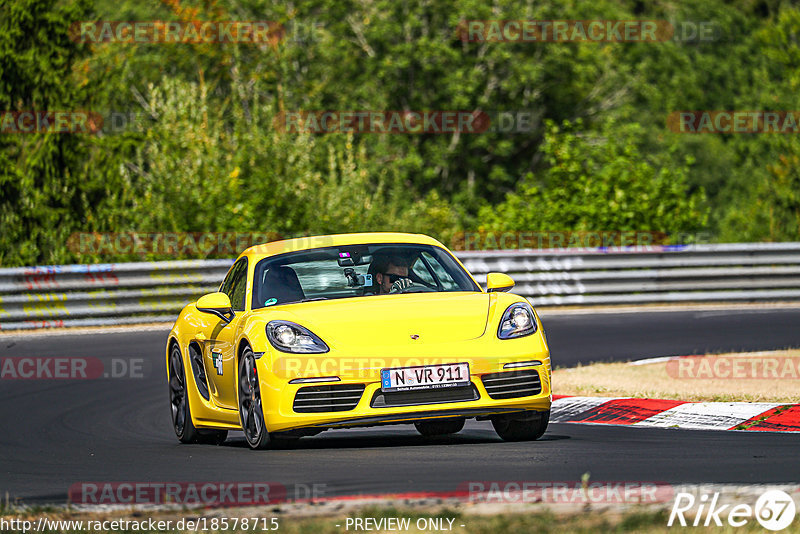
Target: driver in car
(390,274)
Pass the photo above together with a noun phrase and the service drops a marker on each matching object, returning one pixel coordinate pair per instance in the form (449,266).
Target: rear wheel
(179,404)
(439,427)
(179,401)
(528,426)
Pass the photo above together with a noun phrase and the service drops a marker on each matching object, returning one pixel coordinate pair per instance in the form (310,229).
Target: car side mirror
(498,282)
(216,304)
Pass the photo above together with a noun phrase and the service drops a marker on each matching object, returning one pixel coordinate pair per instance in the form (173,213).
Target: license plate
(425,377)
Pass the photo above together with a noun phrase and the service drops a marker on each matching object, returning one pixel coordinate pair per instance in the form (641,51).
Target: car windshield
(356,271)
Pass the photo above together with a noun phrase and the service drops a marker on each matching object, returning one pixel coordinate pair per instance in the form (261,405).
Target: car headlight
(290,337)
(518,321)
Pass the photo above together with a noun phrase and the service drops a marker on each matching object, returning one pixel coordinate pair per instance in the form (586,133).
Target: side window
(239,290)
(448,284)
(225,287)
(235,284)
(420,269)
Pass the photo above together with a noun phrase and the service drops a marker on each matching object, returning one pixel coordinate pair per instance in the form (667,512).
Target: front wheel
(529,426)
(250,410)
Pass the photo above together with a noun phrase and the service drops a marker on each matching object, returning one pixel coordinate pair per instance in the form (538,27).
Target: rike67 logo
(774,510)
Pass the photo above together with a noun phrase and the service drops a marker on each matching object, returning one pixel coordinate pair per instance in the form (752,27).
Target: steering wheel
(406,285)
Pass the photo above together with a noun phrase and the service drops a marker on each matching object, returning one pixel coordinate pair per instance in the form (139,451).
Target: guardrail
(105,294)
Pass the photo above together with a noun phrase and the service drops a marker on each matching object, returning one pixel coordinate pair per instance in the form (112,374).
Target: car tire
(440,427)
(181,409)
(528,427)
(251,412)
(179,399)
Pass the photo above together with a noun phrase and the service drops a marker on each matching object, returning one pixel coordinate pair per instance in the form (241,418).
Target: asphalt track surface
(58,433)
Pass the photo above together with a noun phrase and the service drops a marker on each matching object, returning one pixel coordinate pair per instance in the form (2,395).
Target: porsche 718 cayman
(355,330)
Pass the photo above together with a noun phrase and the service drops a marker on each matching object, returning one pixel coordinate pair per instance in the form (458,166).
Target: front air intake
(332,398)
(512,384)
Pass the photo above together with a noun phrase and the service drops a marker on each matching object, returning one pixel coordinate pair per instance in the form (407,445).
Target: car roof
(335,240)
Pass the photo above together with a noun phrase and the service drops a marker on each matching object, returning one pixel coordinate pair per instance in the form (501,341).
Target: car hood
(392,320)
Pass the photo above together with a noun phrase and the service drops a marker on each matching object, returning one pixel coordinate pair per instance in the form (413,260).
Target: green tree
(599,183)
(43,196)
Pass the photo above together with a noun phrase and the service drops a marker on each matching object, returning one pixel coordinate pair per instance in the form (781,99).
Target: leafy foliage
(42,194)
(204,153)
(599,183)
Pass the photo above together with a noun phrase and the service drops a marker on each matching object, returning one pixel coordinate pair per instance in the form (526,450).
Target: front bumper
(278,395)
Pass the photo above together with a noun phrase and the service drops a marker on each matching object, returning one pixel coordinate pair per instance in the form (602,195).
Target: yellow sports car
(354,330)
